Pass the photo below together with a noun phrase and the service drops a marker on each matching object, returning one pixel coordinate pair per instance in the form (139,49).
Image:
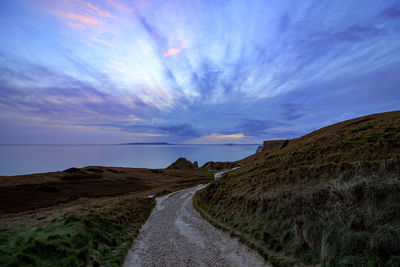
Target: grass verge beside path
(96,237)
(271,255)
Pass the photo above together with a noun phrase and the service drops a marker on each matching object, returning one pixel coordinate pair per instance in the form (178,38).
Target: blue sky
(82,71)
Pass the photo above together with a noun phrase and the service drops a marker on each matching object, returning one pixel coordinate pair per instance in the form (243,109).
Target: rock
(183,163)
(285,144)
(272,144)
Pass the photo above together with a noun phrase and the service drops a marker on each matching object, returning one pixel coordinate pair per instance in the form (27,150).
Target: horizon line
(114,144)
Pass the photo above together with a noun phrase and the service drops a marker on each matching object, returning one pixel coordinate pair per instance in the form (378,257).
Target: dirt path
(176,235)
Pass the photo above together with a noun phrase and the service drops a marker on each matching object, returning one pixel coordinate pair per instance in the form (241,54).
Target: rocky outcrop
(183,163)
(272,144)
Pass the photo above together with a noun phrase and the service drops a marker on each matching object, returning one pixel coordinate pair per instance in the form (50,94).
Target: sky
(116,71)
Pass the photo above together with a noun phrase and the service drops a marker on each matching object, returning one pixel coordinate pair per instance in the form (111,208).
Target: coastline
(23,160)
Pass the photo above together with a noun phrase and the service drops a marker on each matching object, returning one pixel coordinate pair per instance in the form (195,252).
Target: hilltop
(331,197)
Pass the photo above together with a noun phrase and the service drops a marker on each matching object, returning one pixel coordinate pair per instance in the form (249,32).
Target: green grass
(97,237)
(329,198)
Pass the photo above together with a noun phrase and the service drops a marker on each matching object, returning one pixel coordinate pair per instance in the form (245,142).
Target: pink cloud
(172,51)
(80,13)
(76,20)
(120,7)
(97,11)
(227,136)
(216,138)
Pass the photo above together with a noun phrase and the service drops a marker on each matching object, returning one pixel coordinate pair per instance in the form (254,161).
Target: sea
(26,159)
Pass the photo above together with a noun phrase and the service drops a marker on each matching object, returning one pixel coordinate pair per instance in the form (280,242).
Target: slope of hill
(331,197)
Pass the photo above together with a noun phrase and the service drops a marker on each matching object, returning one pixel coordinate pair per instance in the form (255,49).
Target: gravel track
(176,235)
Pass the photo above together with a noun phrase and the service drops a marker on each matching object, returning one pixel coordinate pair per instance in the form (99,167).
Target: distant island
(165,143)
(155,143)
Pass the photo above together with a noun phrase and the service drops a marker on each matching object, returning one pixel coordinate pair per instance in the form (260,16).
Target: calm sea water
(45,158)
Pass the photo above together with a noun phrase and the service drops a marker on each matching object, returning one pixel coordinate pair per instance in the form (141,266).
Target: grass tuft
(95,237)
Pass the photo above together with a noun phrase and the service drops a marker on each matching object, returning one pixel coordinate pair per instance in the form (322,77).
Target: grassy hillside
(331,197)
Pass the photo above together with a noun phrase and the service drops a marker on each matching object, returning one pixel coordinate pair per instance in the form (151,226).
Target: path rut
(176,235)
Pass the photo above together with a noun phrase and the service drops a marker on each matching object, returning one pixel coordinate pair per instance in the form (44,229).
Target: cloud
(151,134)
(287,132)
(163,98)
(225,136)
(291,111)
(351,34)
(36,90)
(80,14)
(160,43)
(159,39)
(271,70)
(207,80)
(391,12)
(97,11)
(75,20)
(117,66)
(119,6)
(172,51)
(166,129)
(284,23)
(183,129)
(255,127)
(217,138)
(356,33)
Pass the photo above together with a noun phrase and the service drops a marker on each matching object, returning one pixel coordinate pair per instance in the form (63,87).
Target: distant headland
(154,143)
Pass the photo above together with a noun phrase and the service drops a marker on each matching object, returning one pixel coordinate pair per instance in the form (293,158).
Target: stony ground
(176,235)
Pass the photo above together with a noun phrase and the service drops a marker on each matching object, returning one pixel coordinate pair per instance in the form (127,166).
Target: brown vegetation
(28,192)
